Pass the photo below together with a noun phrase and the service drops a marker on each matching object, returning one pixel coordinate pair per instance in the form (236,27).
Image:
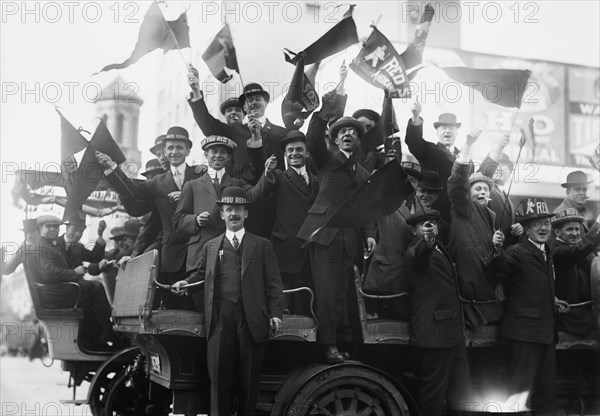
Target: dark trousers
(445,379)
(533,369)
(333,272)
(232,356)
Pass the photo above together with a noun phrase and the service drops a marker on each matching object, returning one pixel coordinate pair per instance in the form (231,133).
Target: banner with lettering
(584,114)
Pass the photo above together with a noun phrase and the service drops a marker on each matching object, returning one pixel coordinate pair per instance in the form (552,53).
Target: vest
(228,282)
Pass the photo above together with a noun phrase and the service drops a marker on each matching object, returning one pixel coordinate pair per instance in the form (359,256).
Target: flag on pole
(71,142)
(220,56)
(90,172)
(338,38)
(382,66)
(301,95)
(156,33)
(504,87)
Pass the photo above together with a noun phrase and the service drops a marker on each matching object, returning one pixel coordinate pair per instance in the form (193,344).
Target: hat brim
(188,141)
(433,188)
(561,221)
(154,148)
(412,222)
(265,95)
(437,124)
(370,114)
(525,221)
(415,173)
(335,128)
(569,184)
(214,144)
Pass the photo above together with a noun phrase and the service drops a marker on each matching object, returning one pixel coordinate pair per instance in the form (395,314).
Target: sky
(49,51)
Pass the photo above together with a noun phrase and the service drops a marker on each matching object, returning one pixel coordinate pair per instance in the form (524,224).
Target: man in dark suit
(243,295)
(334,251)
(197,216)
(576,187)
(437,157)
(295,191)
(165,191)
(45,263)
(529,318)
(257,125)
(573,254)
(75,253)
(437,319)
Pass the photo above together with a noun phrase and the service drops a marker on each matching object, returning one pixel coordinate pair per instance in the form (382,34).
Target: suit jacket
(158,188)
(471,231)
(338,178)
(46,263)
(262,289)
(243,165)
(199,196)
(499,203)
(76,254)
(293,199)
(572,266)
(435,157)
(437,320)
(529,315)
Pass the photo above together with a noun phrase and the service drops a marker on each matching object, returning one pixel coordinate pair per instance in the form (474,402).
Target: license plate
(155,363)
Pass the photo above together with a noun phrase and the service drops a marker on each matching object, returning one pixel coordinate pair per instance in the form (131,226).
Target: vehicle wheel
(348,391)
(104,378)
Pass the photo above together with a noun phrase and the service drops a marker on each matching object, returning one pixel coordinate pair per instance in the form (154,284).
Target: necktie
(216,185)
(236,242)
(178,179)
(543,249)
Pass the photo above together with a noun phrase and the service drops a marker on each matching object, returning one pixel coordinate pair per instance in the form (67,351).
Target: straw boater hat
(531,209)
(566,215)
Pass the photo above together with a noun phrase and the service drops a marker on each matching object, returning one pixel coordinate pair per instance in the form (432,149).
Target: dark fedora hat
(367,113)
(75,219)
(529,209)
(252,89)
(215,140)
(159,144)
(231,102)
(30,225)
(153,168)
(566,215)
(422,214)
(177,133)
(233,195)
(413,169)
(293,136)
(446,119)
(346,122)
(576,177)
(131,228)
(431,181)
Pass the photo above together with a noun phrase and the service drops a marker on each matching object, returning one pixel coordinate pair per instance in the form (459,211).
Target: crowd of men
(253,221)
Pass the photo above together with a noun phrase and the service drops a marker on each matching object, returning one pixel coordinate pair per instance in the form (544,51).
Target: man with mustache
(242,302)
(576,189)
(334,251)
(165,191)
(197,215)
(528,322)
(437,157)
(256,126)
(573,254)
(473,241)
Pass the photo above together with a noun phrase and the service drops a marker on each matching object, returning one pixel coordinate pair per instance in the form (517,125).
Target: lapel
(169,182)
(297,181)
(189,174)
(537,253)
(450,156)
(249,253)
(211,258)
(207,184)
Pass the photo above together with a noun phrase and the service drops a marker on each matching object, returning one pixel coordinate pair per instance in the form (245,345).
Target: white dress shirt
(239,235)
(302,172)
(178,173)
